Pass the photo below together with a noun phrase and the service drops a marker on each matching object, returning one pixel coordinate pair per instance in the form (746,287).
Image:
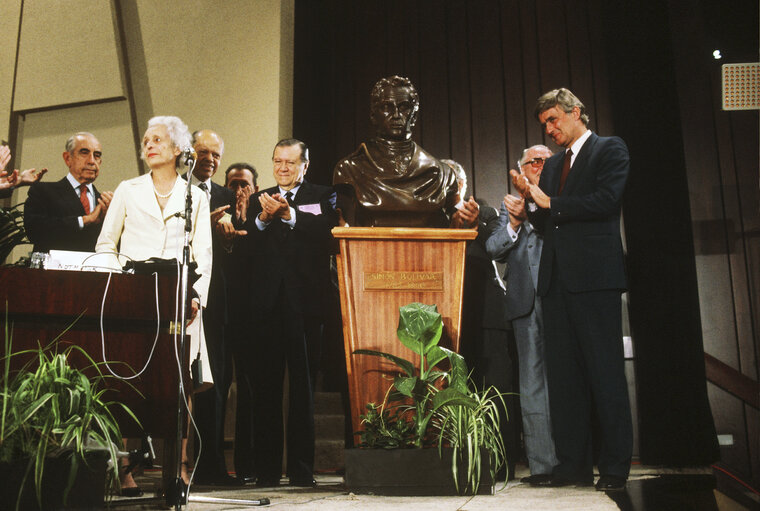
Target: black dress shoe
(263,482)
(308,482)
(134,491)
(246,479)
(610,483)
(553,481)
(216,480)
(535,478)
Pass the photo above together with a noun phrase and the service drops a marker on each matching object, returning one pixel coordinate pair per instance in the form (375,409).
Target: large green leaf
(458,374)
(404,364)
(419,326)
(406,384)
(452,396)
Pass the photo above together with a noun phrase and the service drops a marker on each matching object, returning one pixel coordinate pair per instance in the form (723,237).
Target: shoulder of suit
(139,180)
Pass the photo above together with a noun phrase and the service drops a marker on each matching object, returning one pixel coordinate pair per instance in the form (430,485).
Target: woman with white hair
(144,220)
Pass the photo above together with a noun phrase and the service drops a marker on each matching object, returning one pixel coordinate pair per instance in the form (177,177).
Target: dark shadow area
(683,492)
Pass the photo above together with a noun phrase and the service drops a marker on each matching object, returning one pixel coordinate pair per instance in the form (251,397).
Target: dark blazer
(479,261)
(582,228)
(522,257)
(50,218)
(296,258)
(217,293)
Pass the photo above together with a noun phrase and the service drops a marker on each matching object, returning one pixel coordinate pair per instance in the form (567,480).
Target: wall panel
(76,62)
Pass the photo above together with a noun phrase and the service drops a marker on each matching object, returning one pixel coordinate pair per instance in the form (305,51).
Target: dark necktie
(83,199)
(565,170)
(203,187)
(289,196)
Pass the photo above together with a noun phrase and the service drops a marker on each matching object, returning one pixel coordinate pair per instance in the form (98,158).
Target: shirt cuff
(512,233)
(292,221)
(81,222)
(261,225)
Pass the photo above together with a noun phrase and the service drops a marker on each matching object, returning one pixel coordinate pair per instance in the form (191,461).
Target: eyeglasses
(536,162)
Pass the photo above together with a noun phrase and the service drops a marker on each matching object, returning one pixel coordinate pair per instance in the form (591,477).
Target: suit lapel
(70,198)
(549,181)
(580,165)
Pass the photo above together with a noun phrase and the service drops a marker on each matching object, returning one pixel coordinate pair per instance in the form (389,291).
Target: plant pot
(87,492)
(408,472)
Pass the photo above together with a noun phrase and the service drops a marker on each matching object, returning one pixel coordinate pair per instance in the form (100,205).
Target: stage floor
(648,489)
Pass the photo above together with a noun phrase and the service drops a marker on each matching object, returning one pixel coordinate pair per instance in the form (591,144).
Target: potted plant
(54,415)
(425,405)
(11,230)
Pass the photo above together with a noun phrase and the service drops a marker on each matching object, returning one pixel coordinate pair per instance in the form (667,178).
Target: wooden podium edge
(404,233)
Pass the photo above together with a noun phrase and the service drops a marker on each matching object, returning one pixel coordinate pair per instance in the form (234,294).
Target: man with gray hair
(68,214)
(516,243)
(581,276)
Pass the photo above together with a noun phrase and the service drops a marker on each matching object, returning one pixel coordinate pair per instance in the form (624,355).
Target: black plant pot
(87,492)
(408,472)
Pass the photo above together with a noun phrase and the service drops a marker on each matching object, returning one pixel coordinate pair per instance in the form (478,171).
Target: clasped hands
(222,224)
(466,216)
(99,213)
(529,190)
(273,206)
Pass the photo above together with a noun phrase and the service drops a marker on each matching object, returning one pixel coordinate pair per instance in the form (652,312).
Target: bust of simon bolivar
(390,181)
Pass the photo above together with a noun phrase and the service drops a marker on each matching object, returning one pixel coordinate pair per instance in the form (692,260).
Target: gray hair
(71,142)
(531,148)
(459,173)
(178,132)
(562,98)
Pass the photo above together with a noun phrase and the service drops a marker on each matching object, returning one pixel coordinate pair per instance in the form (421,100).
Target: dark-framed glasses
(536,162)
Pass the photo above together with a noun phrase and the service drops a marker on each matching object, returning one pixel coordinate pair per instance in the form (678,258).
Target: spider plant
(443,403)
(50,408)
(470,431)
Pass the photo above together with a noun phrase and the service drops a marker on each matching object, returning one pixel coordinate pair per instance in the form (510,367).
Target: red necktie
(565,170)
(83,199)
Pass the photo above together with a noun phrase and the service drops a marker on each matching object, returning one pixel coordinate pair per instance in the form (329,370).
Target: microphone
(188,155)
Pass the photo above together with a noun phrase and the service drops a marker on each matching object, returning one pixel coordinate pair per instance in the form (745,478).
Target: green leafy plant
(11,230)
(470,431)
(49,407)
(419,328)
(427,402)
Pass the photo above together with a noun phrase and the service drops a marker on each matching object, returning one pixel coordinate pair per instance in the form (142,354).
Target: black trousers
(585,371)
(280,342)
(210,406)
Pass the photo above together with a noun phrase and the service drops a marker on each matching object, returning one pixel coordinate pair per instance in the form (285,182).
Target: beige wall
(106,68)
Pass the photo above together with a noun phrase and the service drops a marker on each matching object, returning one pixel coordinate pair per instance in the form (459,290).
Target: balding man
(68,214)
(516,243)
(211,405)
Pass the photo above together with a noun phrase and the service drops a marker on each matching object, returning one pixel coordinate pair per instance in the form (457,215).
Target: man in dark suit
(68,214)
(288,245)
(576,206)
(211,405)
(241,178)
(516,243)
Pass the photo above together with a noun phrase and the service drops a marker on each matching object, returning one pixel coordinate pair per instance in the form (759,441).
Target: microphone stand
(179,493)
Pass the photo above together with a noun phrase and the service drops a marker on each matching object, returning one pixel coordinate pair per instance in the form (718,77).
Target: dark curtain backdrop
(479,67)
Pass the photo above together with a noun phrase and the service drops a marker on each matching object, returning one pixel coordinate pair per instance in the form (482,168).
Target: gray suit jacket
(522,257)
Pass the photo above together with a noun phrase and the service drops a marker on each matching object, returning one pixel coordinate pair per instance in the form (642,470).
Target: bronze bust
(390,181)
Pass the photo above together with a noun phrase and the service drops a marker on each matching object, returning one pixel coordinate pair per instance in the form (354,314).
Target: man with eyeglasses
(287,248)
(516,243)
